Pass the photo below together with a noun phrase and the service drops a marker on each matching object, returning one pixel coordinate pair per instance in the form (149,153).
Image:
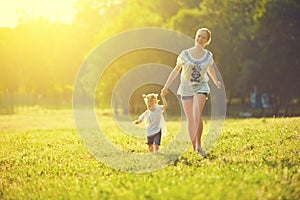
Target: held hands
(164,92)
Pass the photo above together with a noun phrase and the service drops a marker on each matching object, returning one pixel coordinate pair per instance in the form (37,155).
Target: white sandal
(201,152)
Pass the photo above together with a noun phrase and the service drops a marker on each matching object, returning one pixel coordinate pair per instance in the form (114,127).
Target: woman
(194,64)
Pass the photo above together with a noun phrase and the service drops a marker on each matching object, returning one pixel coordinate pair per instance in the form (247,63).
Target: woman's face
(202,38)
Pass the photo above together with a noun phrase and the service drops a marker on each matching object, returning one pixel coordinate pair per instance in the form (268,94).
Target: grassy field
(42,157)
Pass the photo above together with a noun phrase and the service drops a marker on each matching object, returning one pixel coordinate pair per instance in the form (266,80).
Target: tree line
(255,45)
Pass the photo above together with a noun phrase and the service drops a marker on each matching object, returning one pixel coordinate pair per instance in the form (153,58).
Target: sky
(62,11)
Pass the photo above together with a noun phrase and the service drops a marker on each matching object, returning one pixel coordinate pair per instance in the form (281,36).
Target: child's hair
(150,99)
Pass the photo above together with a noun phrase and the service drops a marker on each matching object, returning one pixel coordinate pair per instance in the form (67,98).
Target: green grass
(42,157)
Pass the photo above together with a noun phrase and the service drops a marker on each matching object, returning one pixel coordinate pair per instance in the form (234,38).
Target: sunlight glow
(62,11)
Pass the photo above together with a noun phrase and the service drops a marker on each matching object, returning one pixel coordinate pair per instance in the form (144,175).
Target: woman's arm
(170,80)
(212,74)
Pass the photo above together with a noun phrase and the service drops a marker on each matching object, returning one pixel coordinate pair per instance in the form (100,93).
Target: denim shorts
(154,139)
(191,97)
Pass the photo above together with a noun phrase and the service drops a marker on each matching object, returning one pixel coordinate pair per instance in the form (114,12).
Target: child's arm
(164,101)
(170,79)
(141,118)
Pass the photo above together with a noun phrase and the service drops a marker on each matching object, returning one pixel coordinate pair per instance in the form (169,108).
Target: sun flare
(62,11)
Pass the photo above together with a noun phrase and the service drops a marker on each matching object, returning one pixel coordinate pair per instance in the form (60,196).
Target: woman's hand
(218,84)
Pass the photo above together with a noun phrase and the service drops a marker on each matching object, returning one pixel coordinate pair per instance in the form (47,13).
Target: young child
(154,120)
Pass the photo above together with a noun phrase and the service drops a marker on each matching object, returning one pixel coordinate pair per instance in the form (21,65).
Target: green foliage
(179,22)
(125,63)
(42,157)
(278,39)
(254,42)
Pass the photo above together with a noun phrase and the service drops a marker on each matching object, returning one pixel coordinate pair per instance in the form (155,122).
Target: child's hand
(164,92)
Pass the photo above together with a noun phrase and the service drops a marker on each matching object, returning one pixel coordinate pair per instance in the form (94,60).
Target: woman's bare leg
(199,103)
(189,113)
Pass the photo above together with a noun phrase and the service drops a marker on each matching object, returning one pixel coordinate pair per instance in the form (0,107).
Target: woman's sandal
(202,152)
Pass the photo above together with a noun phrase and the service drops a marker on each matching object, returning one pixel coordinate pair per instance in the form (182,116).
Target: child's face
(152,102)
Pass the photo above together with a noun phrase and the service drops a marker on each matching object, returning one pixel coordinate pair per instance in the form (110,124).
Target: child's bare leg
(156,148)
(150,146)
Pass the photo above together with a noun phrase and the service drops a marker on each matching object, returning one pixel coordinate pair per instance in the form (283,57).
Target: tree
(279,44)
